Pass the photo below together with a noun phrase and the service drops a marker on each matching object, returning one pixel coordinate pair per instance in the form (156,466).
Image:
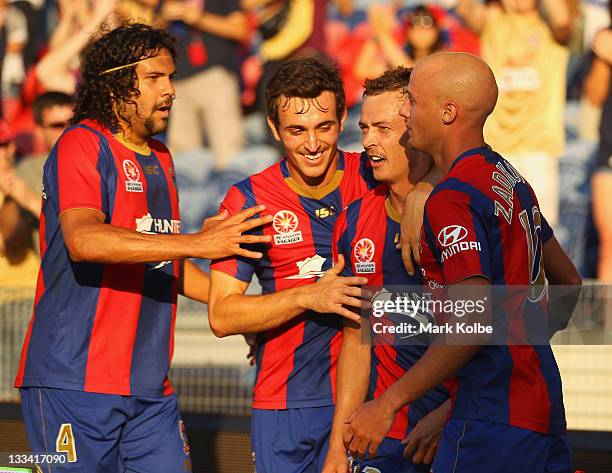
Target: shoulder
(372,200)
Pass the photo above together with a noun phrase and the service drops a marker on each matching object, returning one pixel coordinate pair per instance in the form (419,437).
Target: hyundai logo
(452,234)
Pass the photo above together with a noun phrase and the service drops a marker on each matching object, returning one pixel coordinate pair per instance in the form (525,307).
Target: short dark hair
(50,100)
(392,80)
(306,78)
(99,89)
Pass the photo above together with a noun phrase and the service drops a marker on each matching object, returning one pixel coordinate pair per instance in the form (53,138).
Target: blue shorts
(290,440)
(472,446)
(105,432)
(389,459)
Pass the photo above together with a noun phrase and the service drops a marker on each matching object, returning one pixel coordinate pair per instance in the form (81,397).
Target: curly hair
(304,78)
(389,81)
(102,96)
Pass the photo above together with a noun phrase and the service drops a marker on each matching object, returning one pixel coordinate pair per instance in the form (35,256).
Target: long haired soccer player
(93,371)
(365,235)
(298,316)
(507,413)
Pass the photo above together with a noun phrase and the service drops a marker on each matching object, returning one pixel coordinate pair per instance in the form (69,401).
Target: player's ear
(449,113)
(273,129)
(342,120)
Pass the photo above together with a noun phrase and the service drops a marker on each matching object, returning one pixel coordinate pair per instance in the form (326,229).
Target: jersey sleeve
(238,267)
(547,231)
(81,172)
(341,244)
(455,229)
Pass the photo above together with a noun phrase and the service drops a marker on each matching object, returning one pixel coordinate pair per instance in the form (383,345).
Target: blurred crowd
(551,58)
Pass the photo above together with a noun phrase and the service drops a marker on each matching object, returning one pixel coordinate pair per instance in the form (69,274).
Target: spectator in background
(597,89)
(14,32)
(207,93)
(18,261)
(527,55)
(393,45)
(22,189)
(52,113)
(58,70)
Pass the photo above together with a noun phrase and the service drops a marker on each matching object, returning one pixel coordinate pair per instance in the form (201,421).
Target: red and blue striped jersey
(296,362)
(103,328)
(366,233)
(483,219)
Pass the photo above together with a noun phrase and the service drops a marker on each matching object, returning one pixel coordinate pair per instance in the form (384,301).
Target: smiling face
(149,113)
(384,136)
(309,130)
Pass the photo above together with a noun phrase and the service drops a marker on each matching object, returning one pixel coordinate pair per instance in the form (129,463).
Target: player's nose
(368,139)
(312,142)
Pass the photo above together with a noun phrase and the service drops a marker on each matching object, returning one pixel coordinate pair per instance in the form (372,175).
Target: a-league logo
(364,253)
(285,224)
(132,174)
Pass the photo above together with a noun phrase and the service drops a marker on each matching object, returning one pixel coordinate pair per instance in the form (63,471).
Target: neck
(397,194)
(420,53)
(130,136)
(457,144)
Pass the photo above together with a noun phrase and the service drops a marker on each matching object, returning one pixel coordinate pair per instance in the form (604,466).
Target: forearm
(234,26)
(394,54)
(108,244)
(597,82)
(195,283)
(438,364)
(242,313)
(559,19)
(473,14)
(352,379)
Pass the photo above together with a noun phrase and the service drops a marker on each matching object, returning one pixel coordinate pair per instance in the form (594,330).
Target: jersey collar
(482,150)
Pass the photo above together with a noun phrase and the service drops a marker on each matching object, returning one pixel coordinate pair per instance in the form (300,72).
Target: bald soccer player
(507,413)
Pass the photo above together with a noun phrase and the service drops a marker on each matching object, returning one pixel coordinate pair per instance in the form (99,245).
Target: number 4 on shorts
(65,442)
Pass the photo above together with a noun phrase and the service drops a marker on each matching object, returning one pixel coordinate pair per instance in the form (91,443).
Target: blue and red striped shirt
(296,362)
(103,328)
(483,219)
(366,234)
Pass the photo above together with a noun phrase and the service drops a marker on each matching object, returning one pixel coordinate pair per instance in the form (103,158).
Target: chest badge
(285,224)
(132,175)
(363,252)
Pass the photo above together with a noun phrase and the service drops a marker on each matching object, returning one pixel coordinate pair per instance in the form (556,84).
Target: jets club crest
(364,253)
(132,175)
(285,224)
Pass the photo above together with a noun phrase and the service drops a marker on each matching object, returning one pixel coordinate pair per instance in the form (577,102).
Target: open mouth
(376,158)
(313,157)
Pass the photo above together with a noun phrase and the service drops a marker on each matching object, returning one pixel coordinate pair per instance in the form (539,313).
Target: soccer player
(507,413)
(365,234)
(93,371)
(299,338)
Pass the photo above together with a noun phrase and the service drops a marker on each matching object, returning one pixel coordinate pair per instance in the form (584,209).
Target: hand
(422,441)
(173,11)
(210,222)
(191,15)
(368,426)
(224,238)
(332,292)
(412,220)
(382,19)
(336,461)
(251,341)
(602,45)
(7,182)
